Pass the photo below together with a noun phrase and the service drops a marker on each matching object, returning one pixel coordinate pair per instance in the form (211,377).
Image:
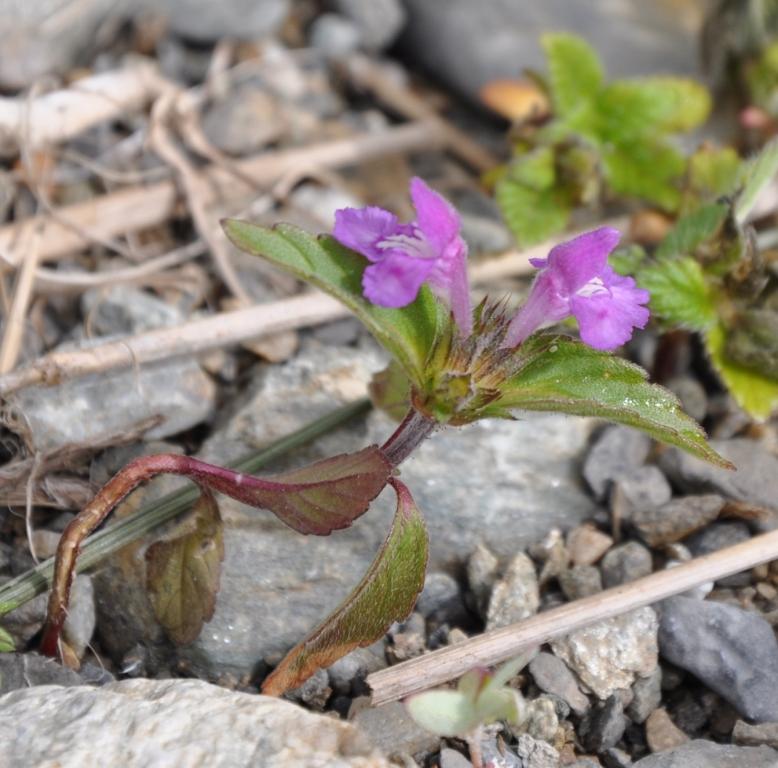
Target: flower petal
(544,305)
(361,229)
(607,319)
(395,281)
(435,216)
(450,282)
(575,262)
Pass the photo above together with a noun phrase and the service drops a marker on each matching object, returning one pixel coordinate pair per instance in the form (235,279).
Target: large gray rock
(467,44)
(734,652)
(706,754)
(378,21)
(206,21)
(164,723)
(48,36)
(755,479)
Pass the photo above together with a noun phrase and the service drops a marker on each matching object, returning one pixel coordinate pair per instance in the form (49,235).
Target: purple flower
(576,280)
(429,249)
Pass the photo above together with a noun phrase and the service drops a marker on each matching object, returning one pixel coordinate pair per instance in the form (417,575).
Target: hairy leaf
(712,173)
(316,499)
(693,230)
(386,594)
(754,393)
(648,106)
(754,176)
(182,572)
(564,375)
(6,642)
(647,170)
(680,295)
(446,713)
(408,333)
(575,72)
(532,215)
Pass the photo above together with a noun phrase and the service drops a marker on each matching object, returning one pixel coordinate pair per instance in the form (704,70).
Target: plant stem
(411,432)
(28,585)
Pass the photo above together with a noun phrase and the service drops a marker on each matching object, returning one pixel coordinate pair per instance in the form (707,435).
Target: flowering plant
(408,284)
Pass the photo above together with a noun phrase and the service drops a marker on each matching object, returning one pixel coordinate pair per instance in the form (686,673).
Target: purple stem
(411,432)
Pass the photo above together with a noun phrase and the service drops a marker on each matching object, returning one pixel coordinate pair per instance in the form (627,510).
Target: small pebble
(587,545)
(482,570)
(580,581)
(662,733)
(450,758)
(755,735)
(604,725)
(615,452)
(677,519)
(516,596)
(625,563)
(646,696)
(553,676)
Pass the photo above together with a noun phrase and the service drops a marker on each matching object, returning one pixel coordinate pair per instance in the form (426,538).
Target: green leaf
(693,230)
(7,644)
(182,572)
(648,106)
(647,170)
(446,713)
(560,374)
(315,499)
(754,176)
(713,172)
(680,295)
(503,674)
(532,215)
(534,169)
(387,593)
(754,393)
(408,333)
(626,260)
(575,72)
(390,391)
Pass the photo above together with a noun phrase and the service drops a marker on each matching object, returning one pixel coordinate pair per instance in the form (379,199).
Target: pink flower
(576,280)
(404,256)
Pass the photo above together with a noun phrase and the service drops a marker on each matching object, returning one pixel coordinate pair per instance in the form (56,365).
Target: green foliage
(182,572)
(386,594)
(622,129)
(754,175)
(480,698)
(408,333)
(567,376)
(755,393)
(710,175)
(680,294)
(692,231)
(6,642)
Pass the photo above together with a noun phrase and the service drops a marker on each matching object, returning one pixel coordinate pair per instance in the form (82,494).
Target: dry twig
(496,646)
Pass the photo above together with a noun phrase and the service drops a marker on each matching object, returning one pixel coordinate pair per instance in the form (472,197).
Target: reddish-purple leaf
(318,499)
(387,593)
(182,572)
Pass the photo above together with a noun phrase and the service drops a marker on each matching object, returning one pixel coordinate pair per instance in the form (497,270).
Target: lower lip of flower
(413,245)
(594,287)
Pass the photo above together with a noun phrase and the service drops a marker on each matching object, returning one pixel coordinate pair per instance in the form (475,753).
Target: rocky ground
(539,512)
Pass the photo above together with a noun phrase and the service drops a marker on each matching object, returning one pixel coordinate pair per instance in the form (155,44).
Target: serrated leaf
(387,593)
(680,295)
(646,170)
(575,72)
(754,393)
(713,172)
(446,713)
(626,260)
(408,333)
(647,106)
(560,374)
(693,230)
(532,215)
(182,572)
(754,176)
(315,499)
(534,169)
(7,644)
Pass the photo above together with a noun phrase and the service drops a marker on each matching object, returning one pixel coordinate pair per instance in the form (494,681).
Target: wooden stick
(372,76)
(127,210)
(61,115)
(491,648)
(23,289)
(220,330)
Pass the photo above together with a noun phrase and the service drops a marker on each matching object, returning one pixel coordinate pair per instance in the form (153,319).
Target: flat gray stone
(163,723)
(553,676)
(392,730)
(706,754)
(734,652)
(447,37)
(754,481)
